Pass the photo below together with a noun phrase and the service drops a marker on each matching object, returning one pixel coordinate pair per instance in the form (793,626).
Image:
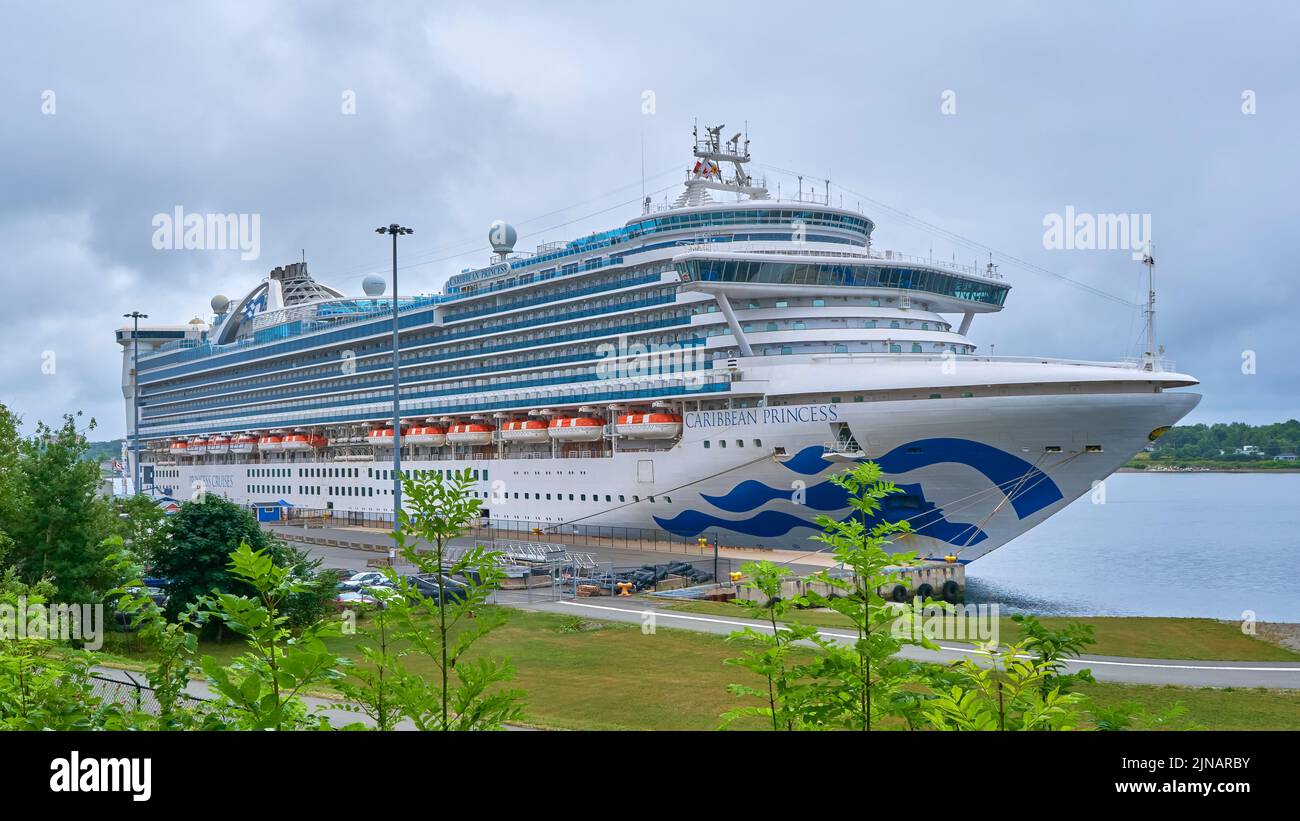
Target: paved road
(1273,675)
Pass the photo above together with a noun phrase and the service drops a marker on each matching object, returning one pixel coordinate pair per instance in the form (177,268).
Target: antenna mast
(1149,359)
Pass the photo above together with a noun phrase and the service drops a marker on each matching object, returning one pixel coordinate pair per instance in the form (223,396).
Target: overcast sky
(973,120)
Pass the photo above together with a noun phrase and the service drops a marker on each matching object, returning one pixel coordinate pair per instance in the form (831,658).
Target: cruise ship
(702,369)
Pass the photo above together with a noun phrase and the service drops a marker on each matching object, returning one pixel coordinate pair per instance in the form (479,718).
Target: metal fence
(576,534)
(133,694)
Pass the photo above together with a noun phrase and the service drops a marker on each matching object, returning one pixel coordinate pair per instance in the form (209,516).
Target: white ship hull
(976,472)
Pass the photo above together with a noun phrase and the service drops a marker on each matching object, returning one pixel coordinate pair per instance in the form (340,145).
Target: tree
(466,693)
(141,524)
(1053,647)
(62,521)
(261,689)
(199,539)
(788,706)
(1005,694)
(13,491)
(860,680)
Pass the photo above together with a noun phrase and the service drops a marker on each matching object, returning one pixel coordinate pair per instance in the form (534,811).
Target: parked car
(427,586)
(366,578)
(354,598)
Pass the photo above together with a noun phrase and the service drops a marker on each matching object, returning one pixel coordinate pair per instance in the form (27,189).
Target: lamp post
(135,317)
(395,231)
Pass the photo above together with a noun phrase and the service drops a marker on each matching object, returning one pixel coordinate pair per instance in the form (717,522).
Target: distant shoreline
(1191,469)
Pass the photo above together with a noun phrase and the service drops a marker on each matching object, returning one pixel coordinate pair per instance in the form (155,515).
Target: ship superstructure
(701,369)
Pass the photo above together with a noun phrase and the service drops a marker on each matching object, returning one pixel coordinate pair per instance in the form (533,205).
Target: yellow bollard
(624,588)
(736,576)
(950,559)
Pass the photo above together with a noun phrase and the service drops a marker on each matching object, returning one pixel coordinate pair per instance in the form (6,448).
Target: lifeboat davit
(197,447)
(303,441)
(270,444)
(383,437)
(524,430)
(649,425)
(218,444)
(425,435)
(178,448)
(576,429)
(470,433)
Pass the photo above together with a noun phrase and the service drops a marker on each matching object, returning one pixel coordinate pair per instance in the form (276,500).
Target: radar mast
(706,175)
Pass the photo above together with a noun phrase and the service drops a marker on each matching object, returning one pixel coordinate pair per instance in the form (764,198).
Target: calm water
(1206,544)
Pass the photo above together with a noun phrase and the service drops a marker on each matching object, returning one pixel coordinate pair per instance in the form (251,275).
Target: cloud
(533,113)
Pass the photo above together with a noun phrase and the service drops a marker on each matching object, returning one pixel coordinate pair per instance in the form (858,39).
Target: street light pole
(135,317)
(396,230)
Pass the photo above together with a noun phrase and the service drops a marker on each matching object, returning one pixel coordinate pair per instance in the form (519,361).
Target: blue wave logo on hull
(926,518)
(1027,488)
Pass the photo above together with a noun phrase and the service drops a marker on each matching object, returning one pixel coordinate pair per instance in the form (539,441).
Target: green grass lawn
(1155,638)
(592,675)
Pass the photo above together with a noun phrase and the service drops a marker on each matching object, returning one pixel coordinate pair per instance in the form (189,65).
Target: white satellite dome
(220,304)
(502,235)
(374,284)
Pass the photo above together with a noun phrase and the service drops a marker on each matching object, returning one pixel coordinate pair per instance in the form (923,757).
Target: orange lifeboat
(197,447)
(303,441)
(218,444)
(270,444)
(470,433)
(576,429)
(649,425)
(426,435)
(178,448)
(524,430)
(383,437)
(243,443)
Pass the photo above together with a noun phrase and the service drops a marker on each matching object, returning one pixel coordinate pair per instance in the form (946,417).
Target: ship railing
(940,357)
(1141,362)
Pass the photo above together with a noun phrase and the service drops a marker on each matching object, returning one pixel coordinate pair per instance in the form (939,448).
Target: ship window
(799,325)
(894,324)
(1092,448)
(835,400)
(895,348)
(758,443)
(636,498)
(781,303)
(722,443)
(967,394)
(857,398)
(787,350)
(841,349)
(582,497)
(570,497)
(620,497)
(916,348)
(651,499)
(607,497)
(819,303)
(771,326)
(871,323)
(548,497)
(936,396)
(706,443)
(1053,449)
(740,443)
